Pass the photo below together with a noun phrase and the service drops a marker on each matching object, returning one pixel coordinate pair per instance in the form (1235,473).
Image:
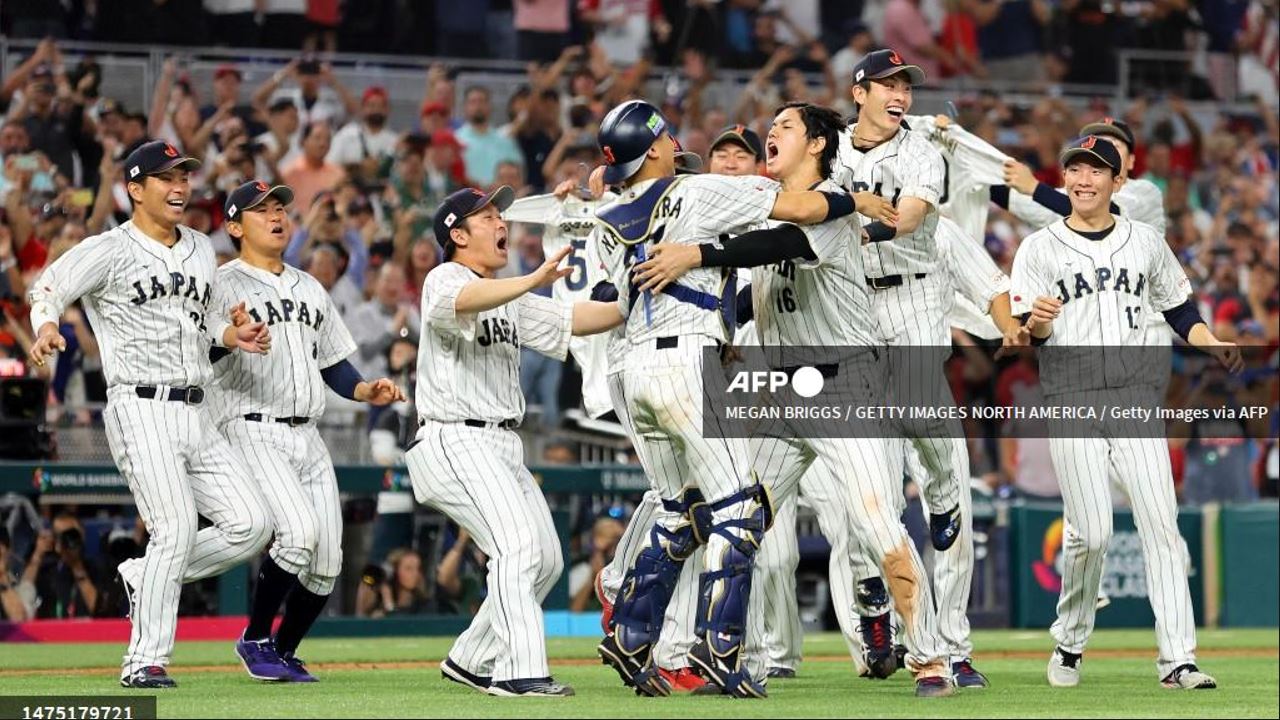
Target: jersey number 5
(578,261)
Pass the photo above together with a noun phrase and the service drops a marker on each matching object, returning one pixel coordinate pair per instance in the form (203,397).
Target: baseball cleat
(636,669)
(530,687)
(877,645)
(682,680)
(934,687)
(733,681)
(606,607)
(781,673)
(900,652)
(261,660)
(1064,668)
(450,670)
(967,676)
(297,669)
(1189,677)
(152,677)
(944,528)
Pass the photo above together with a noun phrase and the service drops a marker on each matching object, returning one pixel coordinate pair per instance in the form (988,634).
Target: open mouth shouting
(895,111)
(771,150)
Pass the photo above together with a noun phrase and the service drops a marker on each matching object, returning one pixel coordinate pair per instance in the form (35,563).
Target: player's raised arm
(81,270)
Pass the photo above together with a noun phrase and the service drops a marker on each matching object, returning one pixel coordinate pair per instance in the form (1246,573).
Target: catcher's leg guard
(643,598)
(725,588)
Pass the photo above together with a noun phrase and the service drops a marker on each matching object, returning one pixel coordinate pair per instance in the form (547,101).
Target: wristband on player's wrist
(838,205)
(879,232)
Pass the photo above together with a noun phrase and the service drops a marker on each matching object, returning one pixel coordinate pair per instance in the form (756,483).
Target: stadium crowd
(366,189)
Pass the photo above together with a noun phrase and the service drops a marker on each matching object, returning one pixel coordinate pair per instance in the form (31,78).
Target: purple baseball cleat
(261,660)
(297,669)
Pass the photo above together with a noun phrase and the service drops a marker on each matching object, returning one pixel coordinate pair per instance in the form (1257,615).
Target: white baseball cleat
(1189,677)
(1064,668)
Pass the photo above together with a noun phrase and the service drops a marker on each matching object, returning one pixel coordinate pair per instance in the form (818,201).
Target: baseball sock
(300,612)
(273,583)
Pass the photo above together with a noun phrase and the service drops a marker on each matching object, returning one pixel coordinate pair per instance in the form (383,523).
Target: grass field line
(1112,653)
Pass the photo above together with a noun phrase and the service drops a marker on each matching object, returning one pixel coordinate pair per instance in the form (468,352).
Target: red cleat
(606,613)
(682,680)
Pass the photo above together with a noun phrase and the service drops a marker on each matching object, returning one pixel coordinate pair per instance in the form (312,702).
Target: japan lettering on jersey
(147,303)
(695,209)
(469,364)
(571,222)
(307,335)
(1105,286)
(822,302)
(906,165)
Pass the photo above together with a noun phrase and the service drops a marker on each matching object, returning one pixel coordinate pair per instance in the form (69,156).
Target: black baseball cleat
(944,528)
(452,671)
(636,669)
(781,673)
(932,687)
(900,652)
(724,673)
(877,645)
(152,677)
(530,687)
(967,676)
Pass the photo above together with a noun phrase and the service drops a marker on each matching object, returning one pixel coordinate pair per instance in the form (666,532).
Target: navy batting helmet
(626,134)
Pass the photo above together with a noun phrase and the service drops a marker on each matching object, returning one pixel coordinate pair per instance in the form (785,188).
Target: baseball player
(1081,282)
(804,293)
(146,286)
(709,495)
(467,461)
(879,154)
(266,406)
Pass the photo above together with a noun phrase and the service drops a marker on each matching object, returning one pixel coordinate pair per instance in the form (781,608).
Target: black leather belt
(188,395)
(508,424)
(889,281)
(828,370)
(290,421)
(671,342)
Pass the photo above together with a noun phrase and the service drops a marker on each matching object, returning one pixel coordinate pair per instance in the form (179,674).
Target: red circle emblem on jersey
(261,186)
(893,58)
(170,150)
(1089,142)
(608,155)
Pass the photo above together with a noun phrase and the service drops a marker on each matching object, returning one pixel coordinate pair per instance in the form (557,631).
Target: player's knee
(319,584)
(1090,540)
(253,530)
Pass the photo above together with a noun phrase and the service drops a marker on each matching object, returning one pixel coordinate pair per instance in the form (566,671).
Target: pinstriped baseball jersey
(969,267)
(819,302)
(1105,286)
(971,165)
(147,303)
(307,334)
(697,209)
(571,222)
(469,365)
(905,165)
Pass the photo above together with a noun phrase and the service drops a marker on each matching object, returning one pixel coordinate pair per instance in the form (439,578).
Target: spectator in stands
(227,83)
(323,265)
(445,169)
(906,30)
(1009,34)
(483,145)
(605,534)
(57,578)
(460,576)
(842,63)
(410,194)
(367,147)
(325,225)
(282,140)
(460,29)
(311,174)
(542,27)
(234,22)
(622,28)
(536,130)
(52,114)
(319,95)
(323,18)
(424,255)
(382,319)
(12,608)
(402,591)
(12,284)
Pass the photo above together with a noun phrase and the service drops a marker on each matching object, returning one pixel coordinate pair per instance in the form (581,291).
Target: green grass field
(397,677)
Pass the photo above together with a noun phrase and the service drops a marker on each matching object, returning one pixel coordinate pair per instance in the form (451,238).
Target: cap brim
(283,193)
(1108,130)
(1073,153)
(189,164)
(736,138)
(615,174)
(689,162)
(501,198)
(913,72)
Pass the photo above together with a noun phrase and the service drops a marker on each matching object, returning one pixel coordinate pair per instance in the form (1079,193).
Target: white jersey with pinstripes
(1105,287)
(697,209)
(147,303)
(906,165)
(307,335)
(822,302)
(469,364)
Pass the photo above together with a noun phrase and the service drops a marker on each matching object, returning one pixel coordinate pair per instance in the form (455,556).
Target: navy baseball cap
(466,202)
(1091,146)
(688,163)
(884,63)
(1111,127)
(155,157)
(252,194)
(740,135)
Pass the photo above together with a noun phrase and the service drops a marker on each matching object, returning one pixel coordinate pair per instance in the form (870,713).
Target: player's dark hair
(819,123)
